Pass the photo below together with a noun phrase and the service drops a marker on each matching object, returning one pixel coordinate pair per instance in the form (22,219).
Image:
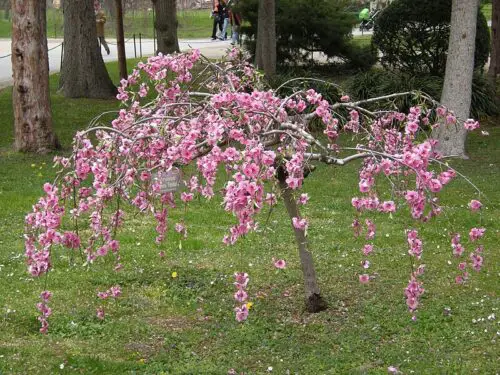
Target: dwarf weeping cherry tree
(264,143)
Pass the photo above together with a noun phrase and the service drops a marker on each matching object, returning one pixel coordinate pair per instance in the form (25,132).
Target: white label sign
(170,181)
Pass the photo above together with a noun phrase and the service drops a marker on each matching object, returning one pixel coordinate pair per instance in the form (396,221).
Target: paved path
(212,49)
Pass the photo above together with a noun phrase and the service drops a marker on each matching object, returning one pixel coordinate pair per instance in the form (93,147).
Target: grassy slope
(185,325)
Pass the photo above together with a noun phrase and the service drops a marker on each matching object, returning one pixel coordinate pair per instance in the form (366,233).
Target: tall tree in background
(166,26)
(265,54)
(120,39)
(457,86)
(494,68)
(30,67)
(6,8)
(83,73)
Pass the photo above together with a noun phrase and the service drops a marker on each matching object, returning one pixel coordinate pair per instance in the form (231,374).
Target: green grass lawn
(185,325)
(192,24)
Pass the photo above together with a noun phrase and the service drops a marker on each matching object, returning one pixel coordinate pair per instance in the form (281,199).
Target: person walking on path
(225,19)
(100,21)
(235,18)
(217,14)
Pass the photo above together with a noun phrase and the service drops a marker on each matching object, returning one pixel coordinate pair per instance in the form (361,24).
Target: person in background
(225,19)
(235,18)
(100,21)
(216,14)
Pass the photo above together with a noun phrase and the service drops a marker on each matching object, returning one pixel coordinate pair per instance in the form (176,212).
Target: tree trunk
(30,67)
(120,40)
(166,26)
(83,74)
(265,54)
(457,86)
(494,68)
(314,301)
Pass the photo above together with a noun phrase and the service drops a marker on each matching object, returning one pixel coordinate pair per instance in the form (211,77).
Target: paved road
(212,49)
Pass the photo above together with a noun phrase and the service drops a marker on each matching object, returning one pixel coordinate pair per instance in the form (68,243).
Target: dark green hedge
(413,36)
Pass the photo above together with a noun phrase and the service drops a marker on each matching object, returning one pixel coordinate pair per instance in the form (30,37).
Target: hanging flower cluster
(232,123)
(241,296)
(113,292)
(475,257)
(45,311)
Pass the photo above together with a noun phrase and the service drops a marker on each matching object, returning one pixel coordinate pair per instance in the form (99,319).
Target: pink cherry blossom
(240,295)
(388,206)
(100,313)
(115,291)
(280,264)
(303,199)
(471,124)
(371,229)
(299,223)
(241,313)
(475,205)
(367,249)
(186,197)
(476,233)
(364,278)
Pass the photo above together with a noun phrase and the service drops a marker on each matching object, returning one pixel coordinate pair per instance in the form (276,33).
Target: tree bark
(265,54)
(83,74)
(30,68)
(314,301)
(457,86)
(120,40)
(494,68)
(166,26)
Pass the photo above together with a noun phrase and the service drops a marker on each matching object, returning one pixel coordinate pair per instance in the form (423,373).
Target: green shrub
(304,27)
(360,57)
(413,36)
(381,82)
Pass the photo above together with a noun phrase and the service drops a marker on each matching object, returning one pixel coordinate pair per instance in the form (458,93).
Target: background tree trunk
(265,54)
(457,86)
(494,68)
(314,301)
(120,40)
(166,26)
(83,74)
(30,67)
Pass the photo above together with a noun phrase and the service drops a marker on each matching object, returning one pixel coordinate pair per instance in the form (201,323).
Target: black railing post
(135,48)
